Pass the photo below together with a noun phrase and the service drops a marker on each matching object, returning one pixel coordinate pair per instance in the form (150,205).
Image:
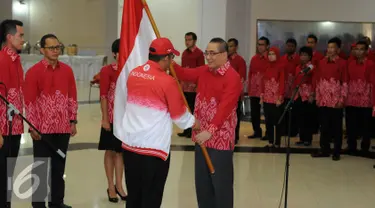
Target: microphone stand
(288,108)
(12,111)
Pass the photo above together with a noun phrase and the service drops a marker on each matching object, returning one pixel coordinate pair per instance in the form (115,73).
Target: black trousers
(305,114)
(294,123)
(358,123)
(190,99)
(239,117)
(272,114)
(315,119)
(145,178)
(57,166)
(255,114)
(331,127)
(214,191)
(10,149)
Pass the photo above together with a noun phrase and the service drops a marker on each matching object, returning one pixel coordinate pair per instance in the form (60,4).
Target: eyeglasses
(53,48)
(211,53)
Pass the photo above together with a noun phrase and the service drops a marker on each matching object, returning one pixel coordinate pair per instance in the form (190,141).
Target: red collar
(262,56)
(114,66)
(192,49)
(304,65)
(223,69)
(13,55)
(46,64)
(334,60)
(233,56)
(362,62)
(292,57)
(152,65)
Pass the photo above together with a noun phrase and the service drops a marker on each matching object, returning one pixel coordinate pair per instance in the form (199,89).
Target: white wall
(318,10)
(91,24)
(174,18)
(5,9)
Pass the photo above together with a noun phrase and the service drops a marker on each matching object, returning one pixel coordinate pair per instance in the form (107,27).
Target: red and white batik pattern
(359,94)
(305,91)
(15,97)
(271,91)
(255,85)
(330,92)
(52,114)
(205,110)
(110,100)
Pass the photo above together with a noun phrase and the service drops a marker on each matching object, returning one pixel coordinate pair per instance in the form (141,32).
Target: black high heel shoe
(123,198)
(114,199)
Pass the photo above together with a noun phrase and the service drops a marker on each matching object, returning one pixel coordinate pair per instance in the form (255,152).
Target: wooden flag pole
(156,30)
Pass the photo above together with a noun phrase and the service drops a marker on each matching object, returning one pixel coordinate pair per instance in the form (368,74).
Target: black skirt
(108,141)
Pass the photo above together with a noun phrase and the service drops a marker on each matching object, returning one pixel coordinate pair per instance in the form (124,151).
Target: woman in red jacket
(272,95)
(113,162)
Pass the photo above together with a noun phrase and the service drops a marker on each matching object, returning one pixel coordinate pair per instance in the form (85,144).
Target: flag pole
(157,33)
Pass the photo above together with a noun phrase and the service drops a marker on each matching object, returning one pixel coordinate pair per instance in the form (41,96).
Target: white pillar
(225,19)
(213,21)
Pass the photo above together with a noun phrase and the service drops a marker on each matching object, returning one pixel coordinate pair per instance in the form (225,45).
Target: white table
(84,67)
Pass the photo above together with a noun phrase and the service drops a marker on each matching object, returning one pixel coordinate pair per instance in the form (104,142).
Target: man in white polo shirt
(153,103)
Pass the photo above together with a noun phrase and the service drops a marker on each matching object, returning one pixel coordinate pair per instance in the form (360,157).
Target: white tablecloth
(84,67)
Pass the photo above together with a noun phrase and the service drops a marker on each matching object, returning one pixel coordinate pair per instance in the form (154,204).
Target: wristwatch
(73,121)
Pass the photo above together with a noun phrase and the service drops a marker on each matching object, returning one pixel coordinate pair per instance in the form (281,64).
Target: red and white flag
(137,34)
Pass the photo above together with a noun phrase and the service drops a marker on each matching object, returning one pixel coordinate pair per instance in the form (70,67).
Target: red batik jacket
(258,66)
(108,78)
(360,83)
(290,69)
(11,75)
(51,97)
(273,82)
(216,102)
(331,84)
(306,87)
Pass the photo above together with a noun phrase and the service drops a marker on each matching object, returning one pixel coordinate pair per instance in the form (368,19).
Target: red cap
(163,46)
(353,45)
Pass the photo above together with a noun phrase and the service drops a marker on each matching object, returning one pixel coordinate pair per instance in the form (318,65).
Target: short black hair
(292,41)
(336,41)
(234,40)
(223,46)
(193,35)
(156,58)
(363,42)
(45,37)
(307,50)
(312,36)
(265,39)
(116,46)
(8,27)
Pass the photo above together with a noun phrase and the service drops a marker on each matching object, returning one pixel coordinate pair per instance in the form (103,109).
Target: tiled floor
(315,183)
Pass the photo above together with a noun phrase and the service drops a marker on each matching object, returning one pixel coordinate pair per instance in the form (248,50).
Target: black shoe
(181,134)
(320,154)
(300,143)
(188,136)
(265,138)
(365,153)
(123,198)
(255,136)
(351,152)
(113,200)
(60,206)
(336,157)
(307,144)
